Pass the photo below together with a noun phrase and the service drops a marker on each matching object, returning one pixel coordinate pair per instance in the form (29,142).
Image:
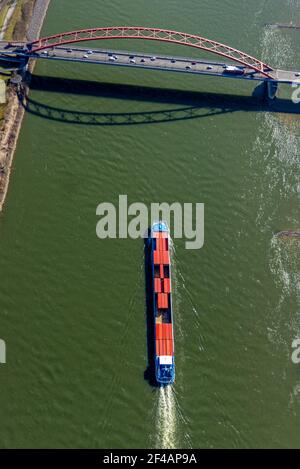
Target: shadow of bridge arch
(192,105)
(122,118)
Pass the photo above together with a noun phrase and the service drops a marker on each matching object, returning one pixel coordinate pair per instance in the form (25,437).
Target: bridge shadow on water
(192,104)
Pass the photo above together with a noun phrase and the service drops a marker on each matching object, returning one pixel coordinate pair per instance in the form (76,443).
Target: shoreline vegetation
(25,23)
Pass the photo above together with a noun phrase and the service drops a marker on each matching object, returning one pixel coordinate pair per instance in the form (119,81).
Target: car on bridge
(233,70)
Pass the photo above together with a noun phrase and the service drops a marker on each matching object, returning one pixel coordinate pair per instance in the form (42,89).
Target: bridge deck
(147,61)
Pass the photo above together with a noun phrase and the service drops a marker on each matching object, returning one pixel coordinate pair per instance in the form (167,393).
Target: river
(72,306)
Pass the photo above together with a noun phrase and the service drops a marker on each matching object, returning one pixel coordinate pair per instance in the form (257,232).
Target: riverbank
(9,11)
(14,111)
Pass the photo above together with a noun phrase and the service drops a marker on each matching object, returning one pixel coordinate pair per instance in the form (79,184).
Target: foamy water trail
(277,147)
(180,283)
(166,419)
(284,266)
(275,166)
(275,158)
(171,426)
(278,144)
(294,4)
(277,48)
(285,326)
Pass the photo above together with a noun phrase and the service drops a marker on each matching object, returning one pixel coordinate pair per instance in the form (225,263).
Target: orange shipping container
(166,300)
(157,285)
(166,257)
(159,331)
(158,244)
(167,285)
(159,301)
(161,244)
(167,331)
(156,257)
(162,302)
(169,347)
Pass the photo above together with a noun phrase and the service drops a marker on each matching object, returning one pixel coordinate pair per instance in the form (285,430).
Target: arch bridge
(66,46)
(153,34)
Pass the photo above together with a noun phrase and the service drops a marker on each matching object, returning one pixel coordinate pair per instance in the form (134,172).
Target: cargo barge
(162,304)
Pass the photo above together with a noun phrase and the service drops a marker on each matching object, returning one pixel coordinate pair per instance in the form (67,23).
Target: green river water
(72,306)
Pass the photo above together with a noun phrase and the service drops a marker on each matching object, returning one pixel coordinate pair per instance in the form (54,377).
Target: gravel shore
(37,19)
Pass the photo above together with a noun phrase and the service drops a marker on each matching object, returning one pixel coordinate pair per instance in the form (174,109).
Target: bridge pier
(271,89)
(23,64)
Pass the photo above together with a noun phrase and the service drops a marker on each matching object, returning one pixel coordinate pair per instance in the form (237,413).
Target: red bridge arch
(153,34)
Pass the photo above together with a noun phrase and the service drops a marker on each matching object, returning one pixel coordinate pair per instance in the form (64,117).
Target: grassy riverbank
(2,106)
(3,14)
(18,24)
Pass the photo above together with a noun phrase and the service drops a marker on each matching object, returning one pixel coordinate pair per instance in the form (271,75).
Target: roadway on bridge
(147,61)
(139,60)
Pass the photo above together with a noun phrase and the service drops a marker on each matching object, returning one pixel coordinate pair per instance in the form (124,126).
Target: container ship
(162,304)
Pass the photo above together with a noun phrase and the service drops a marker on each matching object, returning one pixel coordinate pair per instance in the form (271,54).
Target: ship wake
(166,419)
